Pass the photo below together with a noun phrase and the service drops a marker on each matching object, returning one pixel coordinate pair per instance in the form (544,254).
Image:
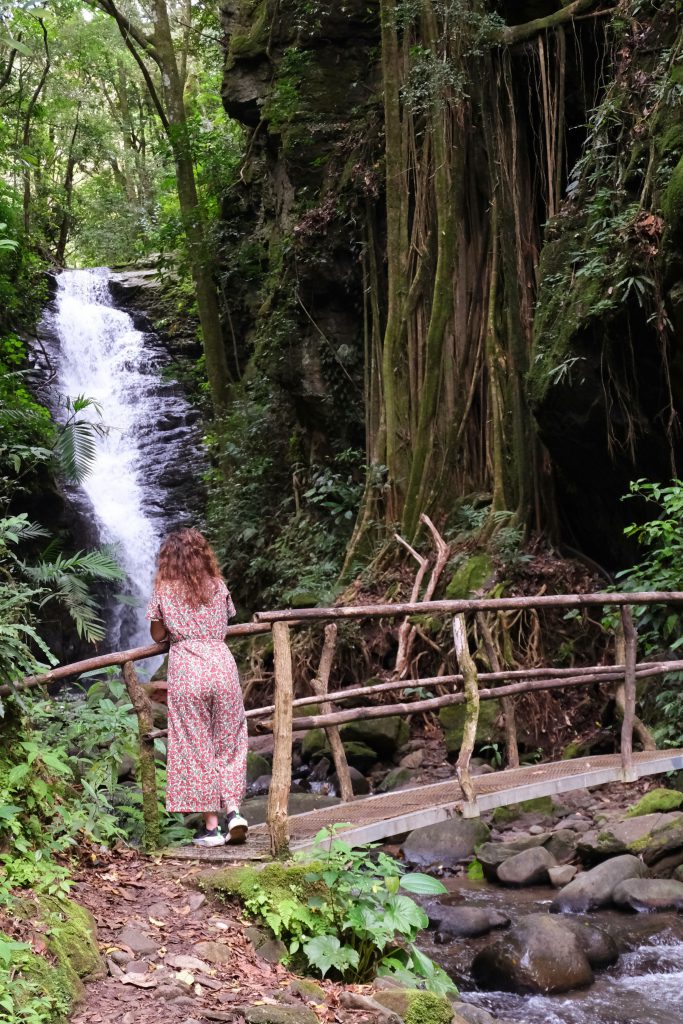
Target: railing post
(630,656)
(507,703)
(471,684)
(320,685)
(278,796)
(148,776)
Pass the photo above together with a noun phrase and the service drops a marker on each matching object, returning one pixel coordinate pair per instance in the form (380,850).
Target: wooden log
(640,730)
(278,796)
(148,777)
(116,658)
(630,658)
(491,604)
(320,685)
(507,703)
(607,675)
(430,682)
(469,734)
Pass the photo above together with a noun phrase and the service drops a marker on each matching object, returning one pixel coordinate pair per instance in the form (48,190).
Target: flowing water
(134,492)
(644,987)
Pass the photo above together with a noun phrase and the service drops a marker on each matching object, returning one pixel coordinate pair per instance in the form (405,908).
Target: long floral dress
(207,731)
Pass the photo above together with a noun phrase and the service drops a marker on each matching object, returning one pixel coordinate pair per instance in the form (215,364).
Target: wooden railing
(626,670)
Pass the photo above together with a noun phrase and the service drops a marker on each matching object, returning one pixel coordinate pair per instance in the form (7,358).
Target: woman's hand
(158,630)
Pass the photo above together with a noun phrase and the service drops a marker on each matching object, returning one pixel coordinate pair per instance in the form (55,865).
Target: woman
(207,731)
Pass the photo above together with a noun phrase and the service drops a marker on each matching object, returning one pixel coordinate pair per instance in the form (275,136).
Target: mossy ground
(416,1007)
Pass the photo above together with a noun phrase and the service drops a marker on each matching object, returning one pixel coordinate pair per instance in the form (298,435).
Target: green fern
(76,446)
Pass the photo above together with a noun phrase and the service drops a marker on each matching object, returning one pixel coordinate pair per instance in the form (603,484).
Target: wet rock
(133,937)
(465,922)
(530,867)
(649,894)
(213,952)
(448,842)
(664,842)
(598,945)
(261,785)
(562,875)
(472,1014)
(538,955)
(594,888)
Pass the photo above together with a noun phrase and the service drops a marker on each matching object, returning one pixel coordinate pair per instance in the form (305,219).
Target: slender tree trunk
(28,117)
(65,225)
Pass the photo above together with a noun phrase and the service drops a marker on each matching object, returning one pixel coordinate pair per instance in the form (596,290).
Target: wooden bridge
(377,817)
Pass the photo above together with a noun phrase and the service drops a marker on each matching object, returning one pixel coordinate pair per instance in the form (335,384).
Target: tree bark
(148,779)
(320,687)
(278,796)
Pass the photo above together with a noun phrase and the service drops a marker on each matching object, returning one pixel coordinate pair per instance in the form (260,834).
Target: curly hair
(187,558)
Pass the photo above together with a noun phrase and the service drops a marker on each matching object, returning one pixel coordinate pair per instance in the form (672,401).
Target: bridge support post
(148,775)
(471,681)
(629,773)
(278,796)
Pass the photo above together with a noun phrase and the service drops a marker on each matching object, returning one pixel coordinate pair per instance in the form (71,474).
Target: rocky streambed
(576,920)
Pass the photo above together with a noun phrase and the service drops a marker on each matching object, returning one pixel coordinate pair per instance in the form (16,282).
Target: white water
(102,356)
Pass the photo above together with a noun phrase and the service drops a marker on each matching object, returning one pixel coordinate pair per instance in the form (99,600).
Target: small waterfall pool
(135,491)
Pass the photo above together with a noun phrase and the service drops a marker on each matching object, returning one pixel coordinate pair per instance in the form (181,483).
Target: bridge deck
(388,814)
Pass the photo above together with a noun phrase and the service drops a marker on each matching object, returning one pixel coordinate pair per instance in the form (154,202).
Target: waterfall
(132,494)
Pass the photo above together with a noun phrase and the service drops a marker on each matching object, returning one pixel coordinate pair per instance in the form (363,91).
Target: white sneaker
(213,837)
(237,829)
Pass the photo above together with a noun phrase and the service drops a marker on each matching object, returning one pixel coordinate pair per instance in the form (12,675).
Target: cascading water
(132,492)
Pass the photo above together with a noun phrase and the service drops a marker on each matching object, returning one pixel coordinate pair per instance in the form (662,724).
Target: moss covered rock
(415,1006)
(383,735)
(277,880)
(489,727)
(73,937)
(672,201)
(471,575)
(539,805)
(396,779)
(655,802)
(256,766)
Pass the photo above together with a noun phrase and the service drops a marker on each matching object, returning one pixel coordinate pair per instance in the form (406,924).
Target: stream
(144,479)
(644,987)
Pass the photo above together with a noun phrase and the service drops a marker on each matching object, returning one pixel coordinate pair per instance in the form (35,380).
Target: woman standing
(207,731)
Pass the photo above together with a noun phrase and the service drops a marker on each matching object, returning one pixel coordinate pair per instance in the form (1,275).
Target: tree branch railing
(512,682)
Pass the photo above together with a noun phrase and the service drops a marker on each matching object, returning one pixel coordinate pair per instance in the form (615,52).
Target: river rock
(665,842)
(473,1014)
(598,945)
(383,735)
(594,888)
(465,922)
(359,784)
(538,955)
(492,855)
(530,867)
(631,835)
(562,845)
(562,875)
(647,894)
(447,843)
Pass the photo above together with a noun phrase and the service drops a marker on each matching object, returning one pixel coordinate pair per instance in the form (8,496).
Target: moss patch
(280,881)
(470,576)
(416,1007)
(452,720)
(540,805)
(74,936)
(672,200)
(256,766)
(658,801)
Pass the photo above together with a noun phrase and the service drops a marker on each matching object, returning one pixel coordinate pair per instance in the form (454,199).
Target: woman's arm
(158,630)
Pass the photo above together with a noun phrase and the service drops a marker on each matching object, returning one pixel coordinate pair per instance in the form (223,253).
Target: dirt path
(150,915)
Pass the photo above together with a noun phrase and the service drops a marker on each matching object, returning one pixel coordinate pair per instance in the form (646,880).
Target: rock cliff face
(302,80)
(606,377)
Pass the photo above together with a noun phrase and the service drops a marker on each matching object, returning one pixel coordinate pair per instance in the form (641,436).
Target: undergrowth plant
(660,627)
(352,916)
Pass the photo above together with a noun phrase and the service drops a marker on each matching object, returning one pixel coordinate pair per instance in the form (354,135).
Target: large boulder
(599,947)
(648,894)
(465,922)
(447,843)
(629,835)
(530,867)
(657,801)
(492,855)
(538,955)
(594,888)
